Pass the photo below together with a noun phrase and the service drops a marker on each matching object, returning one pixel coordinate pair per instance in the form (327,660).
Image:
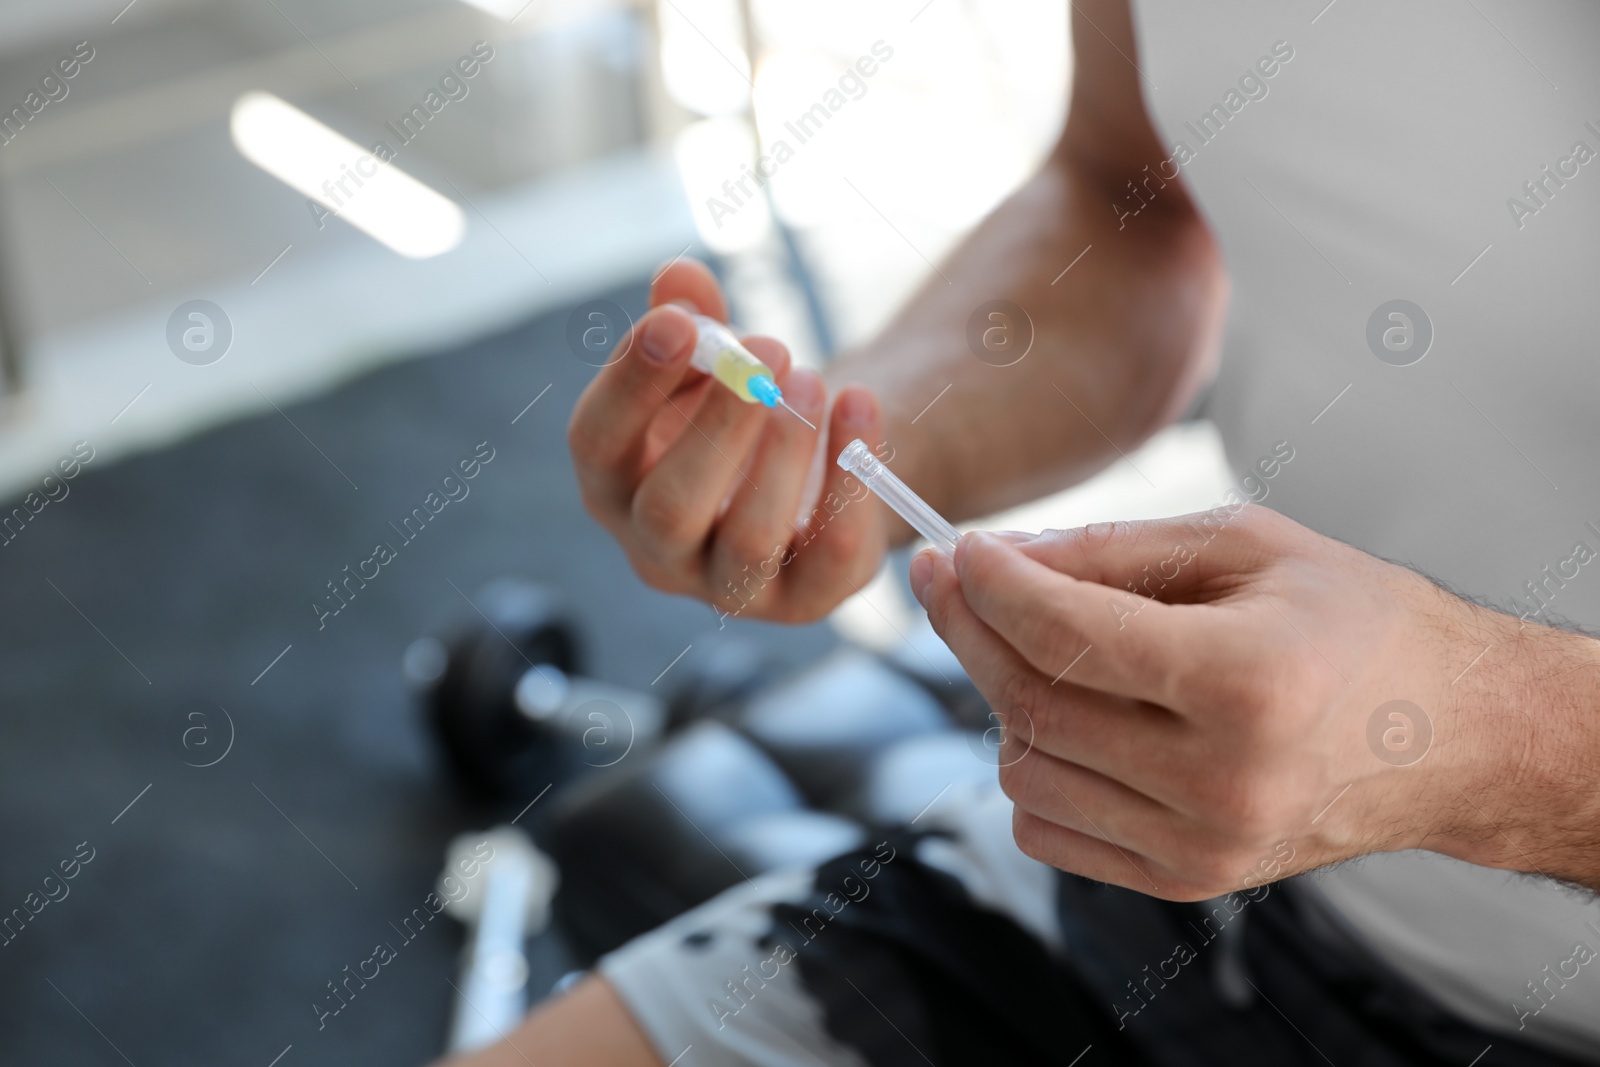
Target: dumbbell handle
(593,713)
(492,995)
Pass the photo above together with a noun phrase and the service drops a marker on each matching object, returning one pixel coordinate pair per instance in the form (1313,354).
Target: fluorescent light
(376,198)
(506,10)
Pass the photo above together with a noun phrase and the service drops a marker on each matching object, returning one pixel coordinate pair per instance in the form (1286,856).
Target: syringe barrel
(718,353)
(858,459)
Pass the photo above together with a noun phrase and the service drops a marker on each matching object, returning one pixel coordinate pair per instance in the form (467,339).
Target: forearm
(1534,804)
(1121,343)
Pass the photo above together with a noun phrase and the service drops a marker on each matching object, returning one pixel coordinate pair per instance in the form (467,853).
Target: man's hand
(1206,703)
(704,490)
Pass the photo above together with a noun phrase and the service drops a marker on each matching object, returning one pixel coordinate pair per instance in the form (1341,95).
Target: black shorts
(945,945)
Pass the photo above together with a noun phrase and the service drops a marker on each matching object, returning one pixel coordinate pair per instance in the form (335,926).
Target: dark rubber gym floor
(218,906)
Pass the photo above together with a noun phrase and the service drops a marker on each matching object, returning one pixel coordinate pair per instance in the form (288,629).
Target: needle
(717,352)
(796,414)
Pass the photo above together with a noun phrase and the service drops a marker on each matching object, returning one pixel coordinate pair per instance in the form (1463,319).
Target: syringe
(718,353)
(858,459)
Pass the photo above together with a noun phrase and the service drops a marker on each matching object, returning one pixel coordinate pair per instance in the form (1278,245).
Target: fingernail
(922,575)
(1015,537)
(665,336)
(854,406)
(803,390)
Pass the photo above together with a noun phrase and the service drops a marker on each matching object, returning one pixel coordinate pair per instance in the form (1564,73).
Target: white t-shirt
(1445,154)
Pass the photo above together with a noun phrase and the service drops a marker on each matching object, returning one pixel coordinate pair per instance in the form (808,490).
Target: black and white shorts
(944,944)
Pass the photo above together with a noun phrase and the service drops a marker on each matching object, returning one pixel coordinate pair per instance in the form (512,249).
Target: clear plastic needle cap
(858,459)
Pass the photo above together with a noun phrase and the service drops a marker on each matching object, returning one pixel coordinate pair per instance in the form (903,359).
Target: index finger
(1093,635)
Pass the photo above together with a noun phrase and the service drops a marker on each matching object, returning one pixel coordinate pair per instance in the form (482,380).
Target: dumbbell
(504,695)
(499,885)
(780,774)
(674,827)
(715,678)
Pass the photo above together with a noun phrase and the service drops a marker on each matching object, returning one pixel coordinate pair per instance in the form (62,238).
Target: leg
(935,947)
(586,1027)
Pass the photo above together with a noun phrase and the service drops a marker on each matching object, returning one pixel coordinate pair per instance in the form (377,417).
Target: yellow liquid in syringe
(718,353)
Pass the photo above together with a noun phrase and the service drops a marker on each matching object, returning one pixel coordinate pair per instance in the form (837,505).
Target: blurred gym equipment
(504,900)
(199,561)
(507,702)
(658,806)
